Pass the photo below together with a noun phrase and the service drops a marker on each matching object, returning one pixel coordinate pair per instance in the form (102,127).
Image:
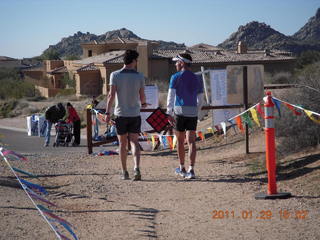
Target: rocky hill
(70,46)
(258,35)
(310,32)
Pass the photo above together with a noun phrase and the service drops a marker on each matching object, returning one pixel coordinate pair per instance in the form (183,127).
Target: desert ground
(219,204)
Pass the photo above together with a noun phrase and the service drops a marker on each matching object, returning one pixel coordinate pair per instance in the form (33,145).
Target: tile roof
(62,69)
(89,67)
(102,58)
(221,56)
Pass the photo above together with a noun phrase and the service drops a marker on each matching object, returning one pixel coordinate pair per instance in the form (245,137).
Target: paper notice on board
(219,96)
(152,98)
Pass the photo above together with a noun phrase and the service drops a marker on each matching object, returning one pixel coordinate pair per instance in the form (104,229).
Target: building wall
(52,64)
(159,69)
(47,92)
(102,48)
(88,83)
(37,75)
(144,63)
(108,69)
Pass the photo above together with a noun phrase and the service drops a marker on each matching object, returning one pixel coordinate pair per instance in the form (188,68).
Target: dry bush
(278,78)
(297,132)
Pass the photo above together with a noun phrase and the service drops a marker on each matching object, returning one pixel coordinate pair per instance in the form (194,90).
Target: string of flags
(249,117)
(37,193)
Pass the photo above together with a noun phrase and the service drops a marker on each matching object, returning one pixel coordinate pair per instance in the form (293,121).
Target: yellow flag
(312,116)
(255,116)
(153,142)
(210,130)
(174,142)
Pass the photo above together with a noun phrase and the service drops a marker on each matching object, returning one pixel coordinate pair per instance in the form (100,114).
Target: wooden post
(89,131)
(245,102)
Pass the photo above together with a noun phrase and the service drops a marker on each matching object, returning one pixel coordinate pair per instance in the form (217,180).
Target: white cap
(179,58)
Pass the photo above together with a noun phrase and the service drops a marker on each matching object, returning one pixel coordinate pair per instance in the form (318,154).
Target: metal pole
(204,84)
(89,131)
(245,102)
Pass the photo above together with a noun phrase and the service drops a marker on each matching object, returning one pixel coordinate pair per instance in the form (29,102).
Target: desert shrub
(296,132)
(65,92)
(12,86)
(278,78)
(307,58)
(6,107)
(50,54)
(36,98)
(68,81)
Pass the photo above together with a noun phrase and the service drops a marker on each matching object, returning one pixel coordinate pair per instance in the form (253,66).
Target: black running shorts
(185,123)
(128,125)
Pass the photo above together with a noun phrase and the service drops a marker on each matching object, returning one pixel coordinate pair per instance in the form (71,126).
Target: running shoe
(181,172)
(137,175)
(190,174)
(125,175)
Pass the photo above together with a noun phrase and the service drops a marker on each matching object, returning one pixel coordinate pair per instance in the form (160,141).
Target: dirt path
(92,197)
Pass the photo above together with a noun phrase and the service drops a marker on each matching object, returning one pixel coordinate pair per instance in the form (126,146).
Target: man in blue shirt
(185,98)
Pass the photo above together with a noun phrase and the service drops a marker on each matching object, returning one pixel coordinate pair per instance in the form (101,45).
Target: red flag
(292,108)
(260,110)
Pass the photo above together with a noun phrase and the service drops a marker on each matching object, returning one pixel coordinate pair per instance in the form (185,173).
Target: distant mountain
(70,46)
(256,36)
(259,36)
(310,32)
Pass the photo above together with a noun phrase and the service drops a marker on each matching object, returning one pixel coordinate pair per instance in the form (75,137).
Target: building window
(89,53)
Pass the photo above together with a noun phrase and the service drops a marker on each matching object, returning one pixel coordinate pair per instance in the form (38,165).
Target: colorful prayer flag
(200,135)
(169,140)
(255,116)
(210,130)
(174,142)
(292,108)
(9,152)
(312,116)
(247,119)
(224,128)
(24,172)
(34,186)
(260,110)
(239,123)
(277,103)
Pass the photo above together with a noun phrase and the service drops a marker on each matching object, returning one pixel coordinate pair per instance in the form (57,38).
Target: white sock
(190,168)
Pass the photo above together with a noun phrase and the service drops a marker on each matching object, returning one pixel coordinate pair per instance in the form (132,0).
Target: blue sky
(27,27)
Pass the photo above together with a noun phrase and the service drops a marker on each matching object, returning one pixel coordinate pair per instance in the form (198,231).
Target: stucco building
(92,72)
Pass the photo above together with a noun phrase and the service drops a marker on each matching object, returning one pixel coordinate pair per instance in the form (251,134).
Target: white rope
(24,188)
